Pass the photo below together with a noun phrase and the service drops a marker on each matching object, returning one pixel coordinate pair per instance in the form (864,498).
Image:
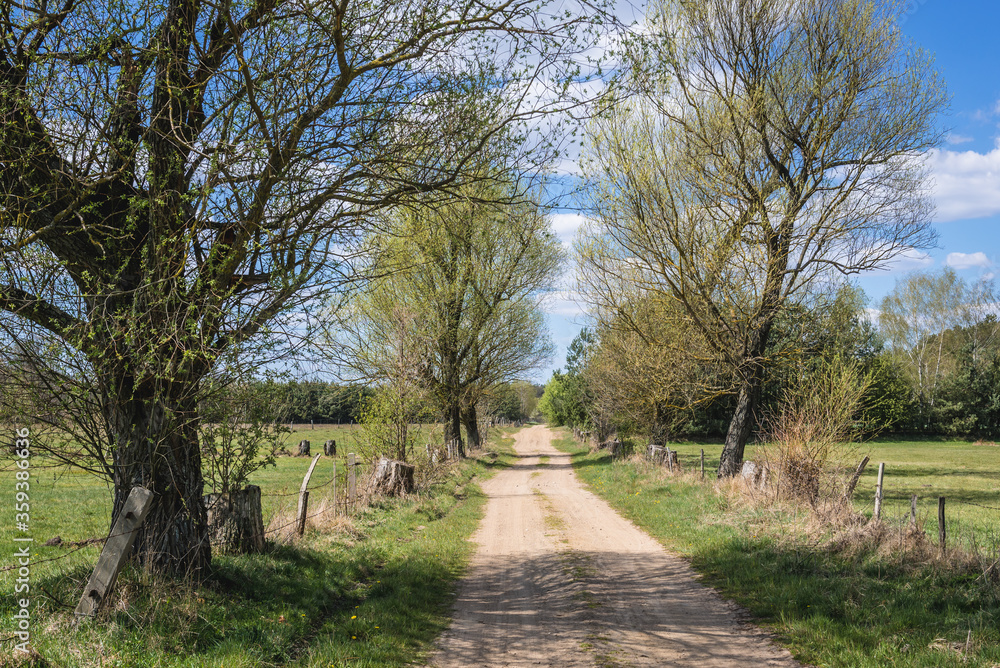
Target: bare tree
(772,143)
(181,179)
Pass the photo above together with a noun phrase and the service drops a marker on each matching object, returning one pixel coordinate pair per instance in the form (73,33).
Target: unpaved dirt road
(560,579)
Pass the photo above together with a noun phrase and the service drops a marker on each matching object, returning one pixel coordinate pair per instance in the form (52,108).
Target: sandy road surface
(560,579)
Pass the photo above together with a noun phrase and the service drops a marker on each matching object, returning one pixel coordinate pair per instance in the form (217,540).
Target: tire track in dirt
(560,579)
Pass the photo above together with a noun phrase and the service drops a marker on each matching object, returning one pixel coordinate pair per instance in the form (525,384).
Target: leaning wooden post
(878,491)
(351,478)
(703,463)
(913,511)
(942,533)
(854,479)
(116,551)
(300,516)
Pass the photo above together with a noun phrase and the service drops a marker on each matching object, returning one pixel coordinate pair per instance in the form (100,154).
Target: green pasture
(967,475)
(369,589)
(852,609)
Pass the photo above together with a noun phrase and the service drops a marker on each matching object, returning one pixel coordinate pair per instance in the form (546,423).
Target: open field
(853,608)
(369,589)
(966,474)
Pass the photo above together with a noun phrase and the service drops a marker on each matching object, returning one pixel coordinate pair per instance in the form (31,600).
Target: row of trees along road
(181,180)
(456,312)
(771,145)
(930,368)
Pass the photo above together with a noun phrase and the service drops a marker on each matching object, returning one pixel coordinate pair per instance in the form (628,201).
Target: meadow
(833,602)
(368,588)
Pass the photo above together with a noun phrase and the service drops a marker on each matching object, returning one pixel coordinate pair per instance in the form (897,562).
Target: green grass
(967,475)
(830,609)
(372,591)
(963,473)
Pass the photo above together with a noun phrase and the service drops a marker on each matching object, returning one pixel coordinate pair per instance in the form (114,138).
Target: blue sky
(965,171)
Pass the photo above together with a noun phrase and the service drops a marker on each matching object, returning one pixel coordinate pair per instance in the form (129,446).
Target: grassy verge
(831,608)
(373,589)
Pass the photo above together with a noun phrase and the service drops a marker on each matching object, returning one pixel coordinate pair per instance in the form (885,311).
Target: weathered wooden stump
(235,521)
(391,478)
(618,449)
(330,448)
(303,448)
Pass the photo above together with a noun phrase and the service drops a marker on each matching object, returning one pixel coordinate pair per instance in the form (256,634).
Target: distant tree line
(931,366)
(303,401)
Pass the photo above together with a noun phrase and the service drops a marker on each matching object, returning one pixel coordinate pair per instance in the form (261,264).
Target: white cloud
(910,260)
(967,260)
(565,225)
(955,139)
(563,303)
(966,184)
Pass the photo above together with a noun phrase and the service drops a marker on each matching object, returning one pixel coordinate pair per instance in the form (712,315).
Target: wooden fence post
(116,551)
(703,463)
(352,486)
(670,460)
(854,479)
(878,491)
(913,511)
(300,516)
(942,533)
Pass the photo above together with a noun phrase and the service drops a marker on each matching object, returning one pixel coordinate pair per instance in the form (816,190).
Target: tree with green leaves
(469,274)
(941,328)
(927,319)
(182,181)
(770,144)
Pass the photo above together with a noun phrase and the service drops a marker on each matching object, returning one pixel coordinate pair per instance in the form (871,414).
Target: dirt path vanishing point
(560,579)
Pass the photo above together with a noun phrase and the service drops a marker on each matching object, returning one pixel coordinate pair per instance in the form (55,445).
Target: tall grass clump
(812,443)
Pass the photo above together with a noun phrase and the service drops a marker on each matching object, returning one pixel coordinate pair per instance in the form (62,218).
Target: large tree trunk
(157,447)
(453,426)
(471,421)
(745,416)
(740,428)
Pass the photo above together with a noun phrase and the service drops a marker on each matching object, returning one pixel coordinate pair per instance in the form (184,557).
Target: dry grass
(830,523)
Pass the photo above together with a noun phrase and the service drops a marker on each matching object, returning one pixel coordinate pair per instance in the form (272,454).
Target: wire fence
(344,491)
(949,518)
